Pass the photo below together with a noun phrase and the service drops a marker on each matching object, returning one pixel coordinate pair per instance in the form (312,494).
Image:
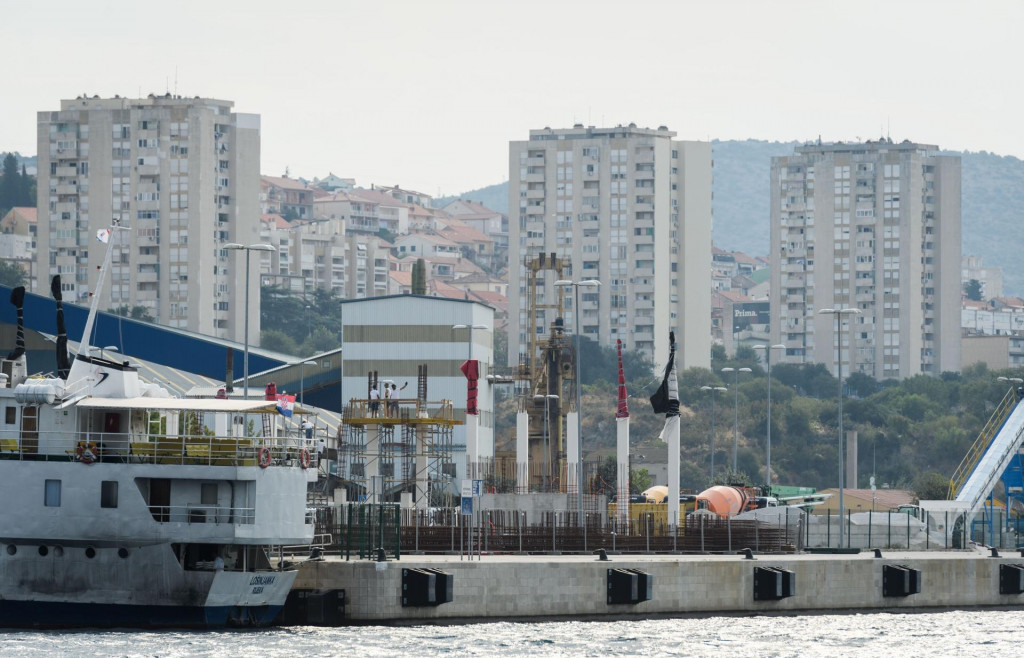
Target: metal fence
(361,530)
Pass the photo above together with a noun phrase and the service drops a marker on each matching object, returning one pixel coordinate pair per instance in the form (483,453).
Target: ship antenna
(103,235)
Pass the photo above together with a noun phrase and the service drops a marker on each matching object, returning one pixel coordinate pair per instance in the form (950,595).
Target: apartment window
(108,494)
(51,495)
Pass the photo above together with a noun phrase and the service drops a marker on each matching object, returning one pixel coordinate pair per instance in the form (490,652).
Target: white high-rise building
(875,227)
(630,207)
(183,175)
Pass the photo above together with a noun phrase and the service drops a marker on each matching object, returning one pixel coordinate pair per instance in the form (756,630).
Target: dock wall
(508,587)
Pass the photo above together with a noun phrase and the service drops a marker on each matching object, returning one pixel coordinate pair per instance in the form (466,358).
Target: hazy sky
(428,93)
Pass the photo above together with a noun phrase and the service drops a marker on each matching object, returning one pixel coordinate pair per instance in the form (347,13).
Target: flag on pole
(285,405)
(103,235)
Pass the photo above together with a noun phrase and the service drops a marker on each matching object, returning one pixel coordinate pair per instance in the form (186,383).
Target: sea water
(989,633)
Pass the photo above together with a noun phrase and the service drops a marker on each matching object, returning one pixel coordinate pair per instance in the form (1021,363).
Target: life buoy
(263,457)
(304,458)
(86,452)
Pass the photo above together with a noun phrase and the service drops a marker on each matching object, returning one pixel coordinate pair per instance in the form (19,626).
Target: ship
(126,507)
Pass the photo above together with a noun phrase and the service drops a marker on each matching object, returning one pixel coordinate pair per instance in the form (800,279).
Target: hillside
(992,202)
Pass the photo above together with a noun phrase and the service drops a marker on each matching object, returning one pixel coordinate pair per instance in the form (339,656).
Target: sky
(427,94)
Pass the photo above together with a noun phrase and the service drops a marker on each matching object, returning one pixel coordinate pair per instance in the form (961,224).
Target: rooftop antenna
(175,79)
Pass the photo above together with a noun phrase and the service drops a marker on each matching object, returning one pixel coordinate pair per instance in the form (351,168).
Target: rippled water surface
(988,633)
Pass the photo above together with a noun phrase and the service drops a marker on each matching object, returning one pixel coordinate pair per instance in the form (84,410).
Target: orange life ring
(86,452)
(263,458)
(304,458)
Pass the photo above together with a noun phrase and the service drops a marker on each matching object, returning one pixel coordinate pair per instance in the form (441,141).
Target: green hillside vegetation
(911,433)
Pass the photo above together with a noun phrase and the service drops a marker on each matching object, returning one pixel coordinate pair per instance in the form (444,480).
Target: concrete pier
(503,587)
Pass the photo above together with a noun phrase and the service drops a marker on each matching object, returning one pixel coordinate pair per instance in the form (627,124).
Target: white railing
(290,450)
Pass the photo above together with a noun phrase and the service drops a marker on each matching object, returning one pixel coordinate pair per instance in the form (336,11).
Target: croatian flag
(285,405)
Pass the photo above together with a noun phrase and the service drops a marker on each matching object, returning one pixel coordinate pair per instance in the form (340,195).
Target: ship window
(108,493)
(52,496)
(11,415)
(208,493)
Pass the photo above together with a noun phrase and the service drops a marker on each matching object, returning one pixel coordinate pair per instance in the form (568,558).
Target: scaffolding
(405,448)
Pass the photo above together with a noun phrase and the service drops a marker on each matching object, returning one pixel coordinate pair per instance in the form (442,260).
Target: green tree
(973,290)
(10,184)
(419,277)
(11,274)
(136,312)
(639,480)
(931,486)
(278,341)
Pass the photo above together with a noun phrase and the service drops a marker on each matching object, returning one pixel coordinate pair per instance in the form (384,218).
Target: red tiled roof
(29,213)
(286,183)
(277,220)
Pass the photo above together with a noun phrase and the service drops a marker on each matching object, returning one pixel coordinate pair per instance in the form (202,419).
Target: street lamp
(234,246)
(735,412)
(768,450)
(302,379)
(839,313)
(586,283)
(713,389)
(544,454)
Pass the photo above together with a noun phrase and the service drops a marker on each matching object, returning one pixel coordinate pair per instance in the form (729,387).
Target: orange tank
(723,500)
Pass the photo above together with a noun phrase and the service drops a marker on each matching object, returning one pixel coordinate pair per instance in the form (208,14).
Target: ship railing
(206,514)
(290,450)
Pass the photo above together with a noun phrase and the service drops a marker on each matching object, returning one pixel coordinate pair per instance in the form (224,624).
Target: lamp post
(544,454)
(839,313)
(234,246)
(302,379)
(735,413)
(768,449)
(713,389)
(586,283)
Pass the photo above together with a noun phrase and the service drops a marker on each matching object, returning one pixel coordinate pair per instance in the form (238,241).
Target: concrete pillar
(572,453)
(622,472)
(372,461)
(472,445)
(522,453)
(422,475)
(672,439)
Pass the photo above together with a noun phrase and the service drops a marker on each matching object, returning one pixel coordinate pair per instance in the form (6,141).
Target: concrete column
(672,439)
(372,461)
(422,476)
(572,453)
(472,445)
(622,472)
(522,453)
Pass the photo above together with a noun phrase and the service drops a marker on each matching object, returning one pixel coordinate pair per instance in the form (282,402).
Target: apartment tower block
(874,227)
(182,174)
(629,207)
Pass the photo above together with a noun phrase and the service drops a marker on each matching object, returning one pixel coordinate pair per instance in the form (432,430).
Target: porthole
(43,550)
(11,549)
(58,551)
(90,552)
(122,552)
